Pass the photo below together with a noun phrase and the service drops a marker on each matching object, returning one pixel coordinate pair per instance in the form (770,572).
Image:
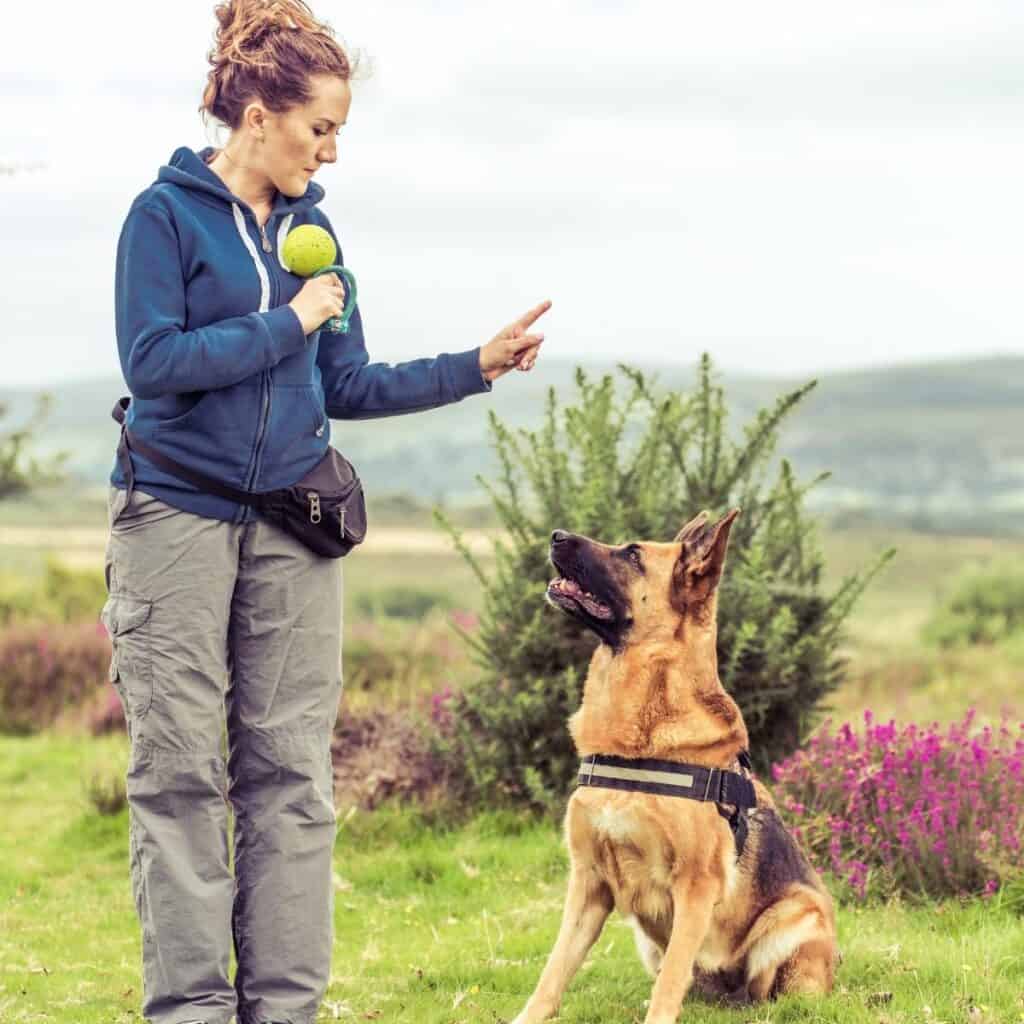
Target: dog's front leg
(693,903)
(588,903)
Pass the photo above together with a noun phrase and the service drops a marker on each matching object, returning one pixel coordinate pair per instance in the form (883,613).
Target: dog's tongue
(570,588)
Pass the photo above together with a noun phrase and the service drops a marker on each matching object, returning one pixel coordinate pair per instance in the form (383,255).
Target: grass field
(438,924)
(434,924)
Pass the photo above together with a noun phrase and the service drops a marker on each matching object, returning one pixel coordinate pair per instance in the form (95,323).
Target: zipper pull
(314,507)
(266,241)
(342,522)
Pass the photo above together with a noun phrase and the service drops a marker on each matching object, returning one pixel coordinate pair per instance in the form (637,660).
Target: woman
(211,607)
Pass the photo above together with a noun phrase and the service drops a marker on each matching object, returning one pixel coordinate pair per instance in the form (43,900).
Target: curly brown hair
(268,49)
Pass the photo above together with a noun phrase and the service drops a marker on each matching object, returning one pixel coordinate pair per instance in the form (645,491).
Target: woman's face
(298,141)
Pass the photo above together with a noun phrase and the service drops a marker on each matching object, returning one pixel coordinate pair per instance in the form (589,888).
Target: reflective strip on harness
(592,771)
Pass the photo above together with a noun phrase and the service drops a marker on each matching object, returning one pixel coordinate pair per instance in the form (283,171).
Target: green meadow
(435,923)
(439,921)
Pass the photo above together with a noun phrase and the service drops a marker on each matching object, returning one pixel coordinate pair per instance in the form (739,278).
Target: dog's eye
(633,554)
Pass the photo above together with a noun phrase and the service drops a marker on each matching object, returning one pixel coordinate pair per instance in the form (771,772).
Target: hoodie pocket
(183,418)
(319,416)
(127,620)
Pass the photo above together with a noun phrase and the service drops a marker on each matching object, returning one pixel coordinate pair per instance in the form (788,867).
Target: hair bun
(245,24)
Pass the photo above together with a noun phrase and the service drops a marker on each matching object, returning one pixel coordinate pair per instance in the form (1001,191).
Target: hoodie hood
(188,169)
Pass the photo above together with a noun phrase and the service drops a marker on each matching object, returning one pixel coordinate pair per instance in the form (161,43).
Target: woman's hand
(319,299)
(512,347)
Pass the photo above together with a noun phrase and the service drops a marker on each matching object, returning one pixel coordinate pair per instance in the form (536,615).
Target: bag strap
(205,483)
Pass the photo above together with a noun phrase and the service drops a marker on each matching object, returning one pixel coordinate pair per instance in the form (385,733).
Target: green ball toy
(309,251)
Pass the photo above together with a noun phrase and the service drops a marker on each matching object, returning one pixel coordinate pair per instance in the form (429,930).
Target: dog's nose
(557,536)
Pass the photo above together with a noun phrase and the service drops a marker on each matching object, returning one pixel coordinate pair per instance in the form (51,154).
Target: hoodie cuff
(285,329)
(468,377)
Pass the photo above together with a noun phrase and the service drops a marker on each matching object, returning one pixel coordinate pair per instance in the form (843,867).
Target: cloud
(792,185)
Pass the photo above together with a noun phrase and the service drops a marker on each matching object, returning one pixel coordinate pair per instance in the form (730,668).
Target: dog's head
(641,590)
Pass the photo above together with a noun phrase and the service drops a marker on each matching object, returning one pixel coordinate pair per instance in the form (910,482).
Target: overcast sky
(796,186)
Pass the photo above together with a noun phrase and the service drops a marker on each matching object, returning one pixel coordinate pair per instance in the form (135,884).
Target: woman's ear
(254,117)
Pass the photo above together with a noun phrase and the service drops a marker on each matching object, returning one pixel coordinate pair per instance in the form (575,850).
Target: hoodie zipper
(265,413)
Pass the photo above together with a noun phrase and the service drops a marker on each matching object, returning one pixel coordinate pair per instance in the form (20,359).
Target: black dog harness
(673,778)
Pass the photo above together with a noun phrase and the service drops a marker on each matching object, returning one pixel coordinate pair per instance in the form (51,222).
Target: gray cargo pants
(213,622)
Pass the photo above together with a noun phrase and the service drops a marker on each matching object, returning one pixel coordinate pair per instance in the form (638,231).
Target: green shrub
(985,607)
(639,469)
(62,595)
(401,602)
(46,669)
(106,790)
(21,473)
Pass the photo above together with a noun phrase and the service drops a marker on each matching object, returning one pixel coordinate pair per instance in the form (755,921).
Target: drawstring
(261,270)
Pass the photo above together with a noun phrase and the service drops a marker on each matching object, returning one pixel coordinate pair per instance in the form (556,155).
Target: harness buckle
(590,774)
(707,787)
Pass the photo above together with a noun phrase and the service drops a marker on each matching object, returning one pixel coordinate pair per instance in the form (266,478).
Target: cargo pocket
(131,666)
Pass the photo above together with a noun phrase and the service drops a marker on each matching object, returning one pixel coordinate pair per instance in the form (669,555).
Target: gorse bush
(19,471)
(911,810)
(985,607)
(637,469)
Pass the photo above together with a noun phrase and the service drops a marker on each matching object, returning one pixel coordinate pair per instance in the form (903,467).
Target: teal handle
(339,324)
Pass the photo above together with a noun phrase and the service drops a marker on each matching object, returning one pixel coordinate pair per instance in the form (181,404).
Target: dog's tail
(791,947)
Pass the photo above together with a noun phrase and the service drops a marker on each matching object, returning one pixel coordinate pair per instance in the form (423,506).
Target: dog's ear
(699,565)
(693,527)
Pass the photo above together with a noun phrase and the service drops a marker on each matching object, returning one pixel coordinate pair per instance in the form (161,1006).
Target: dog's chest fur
(639,845)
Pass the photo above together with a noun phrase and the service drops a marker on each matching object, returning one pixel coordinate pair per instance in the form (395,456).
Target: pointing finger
(528,317)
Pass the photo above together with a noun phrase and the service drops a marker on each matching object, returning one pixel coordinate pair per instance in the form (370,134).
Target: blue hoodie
(222,377)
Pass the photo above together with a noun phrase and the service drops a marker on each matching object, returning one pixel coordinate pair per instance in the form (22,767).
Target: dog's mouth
(568,594)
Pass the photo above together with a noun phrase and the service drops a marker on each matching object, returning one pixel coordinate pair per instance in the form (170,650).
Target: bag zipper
(315,515)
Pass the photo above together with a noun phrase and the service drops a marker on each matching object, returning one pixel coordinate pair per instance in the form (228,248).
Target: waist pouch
(325,510)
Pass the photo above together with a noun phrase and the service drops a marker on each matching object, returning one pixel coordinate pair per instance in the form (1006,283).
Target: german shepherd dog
(742,926)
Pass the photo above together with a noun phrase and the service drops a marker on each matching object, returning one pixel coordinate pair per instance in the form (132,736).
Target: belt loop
(125,458)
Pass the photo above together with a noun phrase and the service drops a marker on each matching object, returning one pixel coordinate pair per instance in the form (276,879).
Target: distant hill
(939,444)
